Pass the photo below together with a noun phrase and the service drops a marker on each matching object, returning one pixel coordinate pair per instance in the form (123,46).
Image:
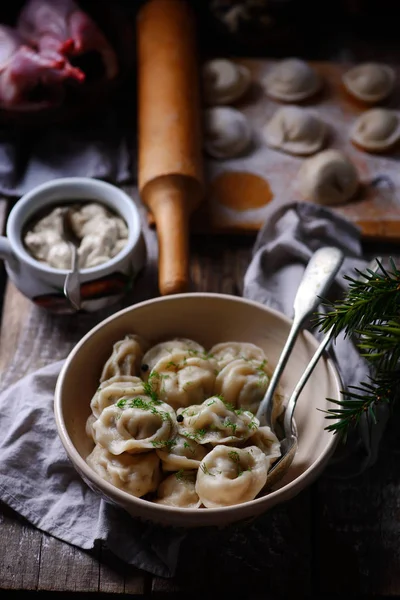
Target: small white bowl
(208,319)
(101,285)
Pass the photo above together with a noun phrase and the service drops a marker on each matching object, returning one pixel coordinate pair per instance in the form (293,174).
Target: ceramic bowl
(209,319)
(101,285)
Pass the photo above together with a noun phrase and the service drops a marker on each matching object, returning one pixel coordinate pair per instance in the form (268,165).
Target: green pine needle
(370,312)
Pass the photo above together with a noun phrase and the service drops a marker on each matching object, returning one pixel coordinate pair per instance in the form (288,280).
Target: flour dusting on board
(376,208)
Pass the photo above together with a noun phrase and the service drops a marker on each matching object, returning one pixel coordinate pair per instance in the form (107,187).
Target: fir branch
(370,312)
(370,297)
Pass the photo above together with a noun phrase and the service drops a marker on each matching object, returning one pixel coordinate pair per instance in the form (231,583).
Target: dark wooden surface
(337,539)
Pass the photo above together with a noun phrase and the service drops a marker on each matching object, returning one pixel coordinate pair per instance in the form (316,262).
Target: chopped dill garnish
(168,444)
(233,455)
(171,363)
(205,470)
(180,474)
(143,405)
(149,391)
(211,402)
(252,425)
(200,433)
(230,425)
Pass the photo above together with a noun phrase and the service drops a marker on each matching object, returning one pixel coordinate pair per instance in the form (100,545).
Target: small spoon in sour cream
(72,287)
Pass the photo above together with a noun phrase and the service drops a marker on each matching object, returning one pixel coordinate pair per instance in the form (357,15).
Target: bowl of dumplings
(156,408)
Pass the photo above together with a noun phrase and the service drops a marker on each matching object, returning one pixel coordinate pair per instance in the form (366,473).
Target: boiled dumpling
(376,130)
(329,178)
(370,82)
(224,81)
(112,390)
(182,379)
(295,130)
(179,490)
(215,422)
(229,475)
(125,358)
(243,383)
(138,475)
(89,426)
(135,425)
(165,349)
(227,132)
(266,440)
(183,453)
(292,80)
(226,352)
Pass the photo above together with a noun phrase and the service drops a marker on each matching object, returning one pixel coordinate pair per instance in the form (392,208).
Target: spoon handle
(318,276)
(72,289)
(291,405)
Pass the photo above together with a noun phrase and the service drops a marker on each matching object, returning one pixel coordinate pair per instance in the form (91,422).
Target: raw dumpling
(292,80)
(243,383)
(370,82)
(112,390)
(213,422)
(376,130)
(266,440)
(135,425)
(328,178)
(227,132)
(179,490)
(163,349)
(295,130)
(226,352)
(224,81)
(182,379)
(229,476)
(125,358)
(182,453)
(138,475)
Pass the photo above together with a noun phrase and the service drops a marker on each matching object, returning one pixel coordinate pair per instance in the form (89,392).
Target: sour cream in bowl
(111,250)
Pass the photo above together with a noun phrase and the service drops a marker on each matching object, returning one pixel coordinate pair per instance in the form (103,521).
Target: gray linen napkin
(92,147)
(38,481)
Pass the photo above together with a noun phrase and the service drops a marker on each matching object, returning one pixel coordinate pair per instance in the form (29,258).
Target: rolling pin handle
(169,200)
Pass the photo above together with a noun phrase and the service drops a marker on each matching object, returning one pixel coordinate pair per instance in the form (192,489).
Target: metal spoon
(318,276)
(72,288)
(289,442)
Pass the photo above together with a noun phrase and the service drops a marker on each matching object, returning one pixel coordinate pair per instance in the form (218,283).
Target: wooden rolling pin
(169,130)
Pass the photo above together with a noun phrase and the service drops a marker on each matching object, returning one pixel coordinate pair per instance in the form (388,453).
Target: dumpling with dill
(134,425)
(226,352)
(136,474)
(126,357)
(179,490)
(182,379)
(229,476)
(214,422)
(243,383)
(112,390)
(180,453)
(167,348)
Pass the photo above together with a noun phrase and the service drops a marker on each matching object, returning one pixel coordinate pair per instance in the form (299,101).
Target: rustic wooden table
(337,537)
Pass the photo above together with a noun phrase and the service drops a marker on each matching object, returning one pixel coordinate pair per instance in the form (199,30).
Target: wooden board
(376,209)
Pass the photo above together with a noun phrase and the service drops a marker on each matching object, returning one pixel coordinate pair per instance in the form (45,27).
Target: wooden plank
(358,527)
(254,557)
(20,549)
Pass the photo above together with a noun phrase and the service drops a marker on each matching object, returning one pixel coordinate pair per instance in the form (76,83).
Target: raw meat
(60,27)
(22,69)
